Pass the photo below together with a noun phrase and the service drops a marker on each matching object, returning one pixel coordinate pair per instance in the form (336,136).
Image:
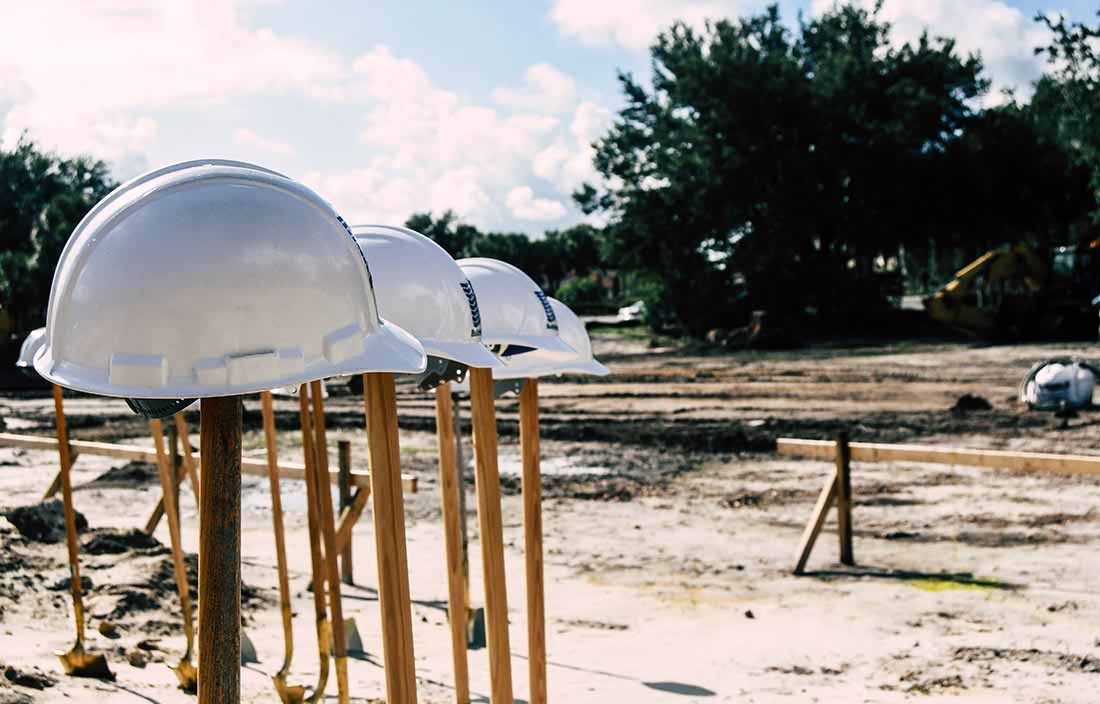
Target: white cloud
(524,205)
(245,137)
(1004,35)
(634,24)
(431,149)
(93,73)
(547,90)
(118,75)
(567,162)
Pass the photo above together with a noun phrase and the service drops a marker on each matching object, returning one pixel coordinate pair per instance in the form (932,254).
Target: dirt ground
(670,530)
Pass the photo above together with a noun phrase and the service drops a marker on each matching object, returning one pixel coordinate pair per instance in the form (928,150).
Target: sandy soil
(670,535)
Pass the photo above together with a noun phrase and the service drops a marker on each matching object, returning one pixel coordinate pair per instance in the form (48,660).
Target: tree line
(817,172)
(813,172)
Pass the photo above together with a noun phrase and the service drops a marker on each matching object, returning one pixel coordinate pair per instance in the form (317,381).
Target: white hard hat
(514,311)
(421,288)
(537,363)
(214,278)
(35,339)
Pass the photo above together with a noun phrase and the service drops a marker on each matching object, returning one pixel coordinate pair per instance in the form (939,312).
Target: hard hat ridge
(422,289)
(515,312)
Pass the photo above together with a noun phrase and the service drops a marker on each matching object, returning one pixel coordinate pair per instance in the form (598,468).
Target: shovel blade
(248,651)
(289,693)
(475,629)
(353,642)
(188,676)
(78,663)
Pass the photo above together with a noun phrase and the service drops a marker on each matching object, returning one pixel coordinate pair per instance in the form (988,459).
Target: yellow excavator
(1019,291)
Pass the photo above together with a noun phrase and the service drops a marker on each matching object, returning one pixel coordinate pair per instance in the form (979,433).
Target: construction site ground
(671,529)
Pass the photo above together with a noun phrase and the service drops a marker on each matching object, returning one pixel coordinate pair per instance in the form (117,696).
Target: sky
(392,107)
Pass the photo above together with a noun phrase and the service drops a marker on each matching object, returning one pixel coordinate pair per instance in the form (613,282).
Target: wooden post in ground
(188,458)
(220,552)
(328,533)
(844,498)
(287,693)
(175,465)
(532,538)
(317,560)
(380,402)
(460,478)
(487,477)
(177,476)
(185,671)
(344,459)
(449,488)
(839,482)
(55,485)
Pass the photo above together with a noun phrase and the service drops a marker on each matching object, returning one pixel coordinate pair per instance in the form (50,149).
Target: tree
(446,231)
(1068,98)
(561,253)
(42,198)
(795,161)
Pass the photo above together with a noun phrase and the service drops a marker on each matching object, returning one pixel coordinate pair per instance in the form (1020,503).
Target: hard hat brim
(549,367)
(591,367)
(388,348)
(472,354)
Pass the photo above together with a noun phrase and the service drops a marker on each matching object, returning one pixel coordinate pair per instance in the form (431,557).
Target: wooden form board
(990,459)
(253,466)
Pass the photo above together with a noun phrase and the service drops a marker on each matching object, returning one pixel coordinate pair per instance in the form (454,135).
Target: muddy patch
(43,522)
(128,476)
(990,657)
(30,678)
(766,498)
(116,542)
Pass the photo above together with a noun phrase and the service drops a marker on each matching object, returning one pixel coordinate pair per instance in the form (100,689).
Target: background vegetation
(815,174)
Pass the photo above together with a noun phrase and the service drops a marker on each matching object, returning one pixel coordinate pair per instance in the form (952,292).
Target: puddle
(512,465)
(14,424)
(256,496)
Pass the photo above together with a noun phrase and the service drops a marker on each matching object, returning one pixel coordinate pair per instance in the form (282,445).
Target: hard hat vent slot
(211,372)
(292,360)
(148,370)
(342,345)
(252,367)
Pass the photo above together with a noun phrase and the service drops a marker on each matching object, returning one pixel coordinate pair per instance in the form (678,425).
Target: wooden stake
(280,535)
(348,518)
(532,537)
(175,465)
(249,465)
(813,528)
(220,552)
(487,477)
(55,483)
(332,556)
(189,463)
(452,534)
(844,498)
(379,399)
(344,462)
(317,561)
(188,458)
(460,480)
(185,672)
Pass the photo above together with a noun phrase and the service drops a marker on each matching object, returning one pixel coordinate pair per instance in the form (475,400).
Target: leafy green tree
(793,160)
(549,260)
(580,293)
(1068,98)
(447,231)
(42,198)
